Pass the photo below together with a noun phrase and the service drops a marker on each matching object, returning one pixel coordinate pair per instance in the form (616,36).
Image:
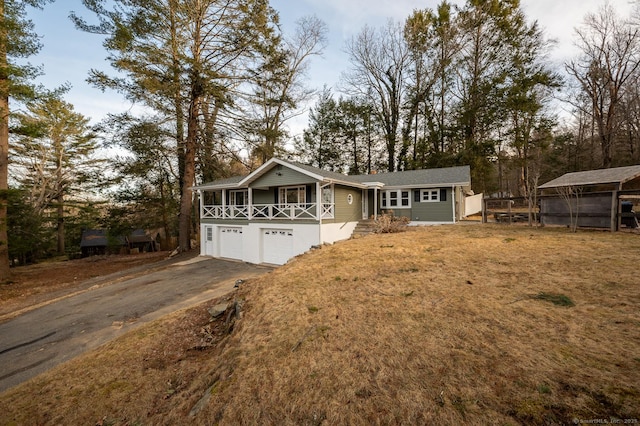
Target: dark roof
(460,175)
(97,238)
(221,182)
(326,173)
(94,238)
(139,236)
(615,175)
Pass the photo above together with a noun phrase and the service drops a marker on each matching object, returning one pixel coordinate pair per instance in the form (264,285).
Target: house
(284,208)
(139,240)
(597,198)
(98,242)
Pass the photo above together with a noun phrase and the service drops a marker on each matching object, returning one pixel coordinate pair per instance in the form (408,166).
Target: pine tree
(55,158)
(179,57)
(17,40)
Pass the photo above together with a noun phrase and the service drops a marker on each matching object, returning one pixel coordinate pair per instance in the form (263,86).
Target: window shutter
(416,196)
(443,195)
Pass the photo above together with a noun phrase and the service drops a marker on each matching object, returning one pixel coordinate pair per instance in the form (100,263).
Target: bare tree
(378,60)
(610,57)
(280,88)
(571,196)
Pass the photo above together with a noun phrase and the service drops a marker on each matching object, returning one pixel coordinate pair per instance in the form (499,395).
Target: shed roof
(98,238)
(94,238)
(615,175)
(139,236)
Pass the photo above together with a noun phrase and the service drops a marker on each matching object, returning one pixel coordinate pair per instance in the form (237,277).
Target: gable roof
(615,175)
(460,175)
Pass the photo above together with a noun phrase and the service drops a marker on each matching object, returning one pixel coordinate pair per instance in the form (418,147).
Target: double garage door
(275,245)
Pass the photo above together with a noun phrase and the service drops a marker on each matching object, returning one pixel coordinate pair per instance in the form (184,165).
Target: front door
(208,241)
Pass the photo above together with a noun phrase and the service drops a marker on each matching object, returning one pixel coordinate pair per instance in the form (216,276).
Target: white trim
(233,200)
(269,164)
(399,198)
(453,202)
(429,199)
(300,189)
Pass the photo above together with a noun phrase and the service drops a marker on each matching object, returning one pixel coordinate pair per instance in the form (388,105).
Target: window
(396,199)
(209,233)
(327,195)
(292,195)
(430,195)
(239,198)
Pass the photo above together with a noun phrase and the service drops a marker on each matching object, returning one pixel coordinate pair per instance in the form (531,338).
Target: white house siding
(332,232)
(253,241)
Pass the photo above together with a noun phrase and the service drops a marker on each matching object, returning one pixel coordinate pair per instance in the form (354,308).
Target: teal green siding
(434,211)
(438,211)
(281,176)
(270,196)
(345,212)
(260,196)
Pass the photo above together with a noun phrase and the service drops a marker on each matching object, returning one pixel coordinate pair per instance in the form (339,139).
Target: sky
(68,54)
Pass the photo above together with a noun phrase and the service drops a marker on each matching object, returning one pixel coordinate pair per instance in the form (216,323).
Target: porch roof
(231,182)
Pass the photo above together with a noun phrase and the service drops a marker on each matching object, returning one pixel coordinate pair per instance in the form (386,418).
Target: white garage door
(231,242)
(277,245)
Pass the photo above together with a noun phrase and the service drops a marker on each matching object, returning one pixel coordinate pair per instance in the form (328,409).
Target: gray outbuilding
(603,198)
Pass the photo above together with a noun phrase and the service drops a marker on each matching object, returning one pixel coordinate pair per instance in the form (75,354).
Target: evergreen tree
(180,57)
(17,40)
(55,158)
(320,146)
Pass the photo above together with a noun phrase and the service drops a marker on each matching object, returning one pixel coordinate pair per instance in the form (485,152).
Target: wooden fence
(613,210)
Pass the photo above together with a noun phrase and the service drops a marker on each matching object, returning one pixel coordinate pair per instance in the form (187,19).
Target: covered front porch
(300,202)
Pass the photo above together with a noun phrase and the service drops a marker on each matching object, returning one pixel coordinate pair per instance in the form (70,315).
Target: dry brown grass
(435,325)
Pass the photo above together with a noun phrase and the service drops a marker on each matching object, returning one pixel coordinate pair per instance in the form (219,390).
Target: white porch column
(375,203)
(319,202)
(453,200)
(224,203)
(250,204)
(200,203)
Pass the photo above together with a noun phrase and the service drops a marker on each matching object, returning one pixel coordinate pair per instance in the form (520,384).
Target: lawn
(481,324)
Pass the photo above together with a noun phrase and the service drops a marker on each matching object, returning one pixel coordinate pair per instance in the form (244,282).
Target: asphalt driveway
(42,338)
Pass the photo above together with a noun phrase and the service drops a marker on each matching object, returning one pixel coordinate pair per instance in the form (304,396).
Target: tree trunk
(190,145)
(4,149)
(60,215)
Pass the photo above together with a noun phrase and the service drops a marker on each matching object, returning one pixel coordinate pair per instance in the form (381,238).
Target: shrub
(387,223)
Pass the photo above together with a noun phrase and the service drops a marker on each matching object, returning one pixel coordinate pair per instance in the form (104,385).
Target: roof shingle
(595,177)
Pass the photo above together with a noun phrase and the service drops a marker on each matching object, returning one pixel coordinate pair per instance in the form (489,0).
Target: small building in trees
(98,242)
(141,241)
(604,198)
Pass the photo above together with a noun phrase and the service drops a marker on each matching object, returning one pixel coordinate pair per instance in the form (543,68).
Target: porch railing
(270,211)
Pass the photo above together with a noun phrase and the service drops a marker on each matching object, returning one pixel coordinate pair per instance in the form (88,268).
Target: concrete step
(364,227)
